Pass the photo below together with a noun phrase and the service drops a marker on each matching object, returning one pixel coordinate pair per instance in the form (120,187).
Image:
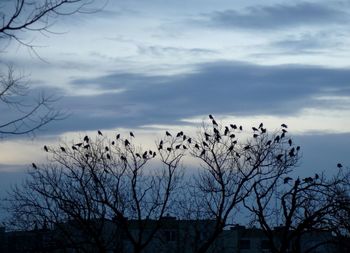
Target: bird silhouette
(177,146)
(317,176)
(34,166)
(339,165)
(144,155)
(279,156)
(284,126)
(261,125)
(86,138)
(78,144)
(241,128)
(184,147)
(205,144)
(233,126)
(118,136)
(207,136)
(179,134)
(291,152)
(287,179)
(154,154)
(196,146)
(202,153)
(189,140)
(214,122)
(138,155)
(184,137)
(169,149)
(308,180)
(255,135)
(211,116)
(46,149)
(113,142)
(99,133)
(247,147)
(282,135)
(63,149)
(277,139)
(123,158)
(230,148)
(268,143)
(74,148)
(132,134)
(298,148)
(87,146)
(255,129)
(284,130)
(290,142)
(226,130)
(106,148)
(108,156)
(167,133)
(126,142)
(263,130)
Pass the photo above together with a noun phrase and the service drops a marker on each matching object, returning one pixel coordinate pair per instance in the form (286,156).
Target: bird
(189,140)
(34,166)
(87,146)
(206,136)
(232,136)
(339,165)
(118,136)
(196,146)
(233,126)
(284,130)
(46,149)
(184,147)
(263,130)
(177,146)
(268,143)
(226,130)
(113,142)
(282,135)
(211,116)
(241,128)
(154,154)
(202,153)
(106,148)
(284,126)
(287,179)
(179,134)
(255,135)
(169,149)
(86,138)
(126,142)
(108,156)
(144,156)
(277,139)
(255,129)
(214,122)
(123,158)
(138,155)
(167,133)
(279,156)
(247,147)
(63,149)
(132,134)
(99,133)
(290,142)
(298,148)
(261,125)
(317,176)
(78,144)
(308,180)
(230,148)
(291,152)
(184,137)
(74,148)
(205,144)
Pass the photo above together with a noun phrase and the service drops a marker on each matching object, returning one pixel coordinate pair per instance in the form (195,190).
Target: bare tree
(292,210)
(98,185)
(233,161)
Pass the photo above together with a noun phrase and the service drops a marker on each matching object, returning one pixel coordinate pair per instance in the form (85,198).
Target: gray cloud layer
(277,16)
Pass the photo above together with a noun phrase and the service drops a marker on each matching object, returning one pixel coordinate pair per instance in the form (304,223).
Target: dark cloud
(277,16)
(220,88)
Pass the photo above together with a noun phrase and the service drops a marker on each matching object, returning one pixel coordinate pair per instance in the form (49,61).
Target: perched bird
(277,139)
(263,130)
(248,158)
(255,129)
(255,135)
(132,134)
(144,156)
(226,130)
(214,122)
(284,130)
(232,136)
(118,136)
(46,149)
(202,153)
(230,148)
(184,137)
(106,148)
(247,147)
(177,146)
(291,152)
(108,156)
(78,144)
(87,146)
(261,125)
(211,116)
(169,149)
(196,146)
(86,138)
(126,142)
(308,180)
(282,135)
(154,154)
(268,143)
(63,149)
(189,140)
(74,148)
(205,144)
(99,133)
(241,128)
(167,133)
(138,155)
(298,148)
(207,136)
(233,126)
(238,155)
(290,142)
(179,134)
(287,179)
(279,156)
(284,126)
(113,142)
(184,147)
(123,158)
(339,165)
(34,166)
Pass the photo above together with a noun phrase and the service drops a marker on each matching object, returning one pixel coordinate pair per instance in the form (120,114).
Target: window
(244,244)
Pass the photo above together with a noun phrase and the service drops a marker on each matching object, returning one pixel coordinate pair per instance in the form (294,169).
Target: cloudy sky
(155,65)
